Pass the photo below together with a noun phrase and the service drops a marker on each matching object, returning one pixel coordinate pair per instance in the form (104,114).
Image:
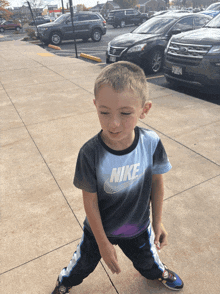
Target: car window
(184,24)
(155,25)
(129,12)
(92,16)
(83,17)
(200,22)
(119,13)
(214,23)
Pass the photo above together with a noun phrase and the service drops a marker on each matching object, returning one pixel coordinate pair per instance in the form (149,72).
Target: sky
(87,3)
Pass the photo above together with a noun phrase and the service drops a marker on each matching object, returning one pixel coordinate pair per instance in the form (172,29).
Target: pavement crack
(191,187)
(174,140)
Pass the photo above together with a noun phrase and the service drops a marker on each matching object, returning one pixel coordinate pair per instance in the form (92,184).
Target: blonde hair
(123,75)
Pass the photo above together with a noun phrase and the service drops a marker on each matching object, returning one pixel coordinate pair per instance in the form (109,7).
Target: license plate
(112,58)
(177,70)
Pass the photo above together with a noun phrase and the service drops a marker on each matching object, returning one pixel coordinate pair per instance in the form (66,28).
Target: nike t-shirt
(122,180)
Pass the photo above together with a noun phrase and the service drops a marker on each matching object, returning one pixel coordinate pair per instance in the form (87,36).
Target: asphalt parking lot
(98,50)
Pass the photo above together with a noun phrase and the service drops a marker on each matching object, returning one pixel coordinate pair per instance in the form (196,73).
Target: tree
(5,13)
(126,3)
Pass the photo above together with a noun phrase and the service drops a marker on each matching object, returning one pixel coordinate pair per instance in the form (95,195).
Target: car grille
(116,51)
(189,54)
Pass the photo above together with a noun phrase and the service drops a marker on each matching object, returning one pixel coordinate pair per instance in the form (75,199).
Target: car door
(83,25)
(129,16)
(67,28)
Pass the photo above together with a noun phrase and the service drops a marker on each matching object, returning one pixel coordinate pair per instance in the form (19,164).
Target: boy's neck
(119,145)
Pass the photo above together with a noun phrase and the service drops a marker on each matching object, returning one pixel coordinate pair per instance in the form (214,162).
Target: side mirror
(175,32)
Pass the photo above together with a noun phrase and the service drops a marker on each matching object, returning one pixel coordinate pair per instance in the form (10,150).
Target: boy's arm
(106,249)
(157,194)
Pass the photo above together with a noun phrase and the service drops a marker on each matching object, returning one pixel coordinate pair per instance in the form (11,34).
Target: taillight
(104,22)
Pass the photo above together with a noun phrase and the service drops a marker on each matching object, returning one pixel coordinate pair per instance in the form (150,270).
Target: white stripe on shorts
(153,248)
(76,256)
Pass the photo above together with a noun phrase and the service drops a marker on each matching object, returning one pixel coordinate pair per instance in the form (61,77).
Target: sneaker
(171,280)
(60,289)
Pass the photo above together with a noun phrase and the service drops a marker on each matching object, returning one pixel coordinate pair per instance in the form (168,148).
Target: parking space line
(151,78)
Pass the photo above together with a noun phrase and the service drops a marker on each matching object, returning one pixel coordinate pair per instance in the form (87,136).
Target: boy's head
(120,100)
(121,76)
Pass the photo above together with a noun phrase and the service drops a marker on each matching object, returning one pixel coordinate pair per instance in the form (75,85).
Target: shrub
(31,33)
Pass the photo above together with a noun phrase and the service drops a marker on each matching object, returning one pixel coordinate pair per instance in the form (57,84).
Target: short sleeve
(161,162)
(85,175)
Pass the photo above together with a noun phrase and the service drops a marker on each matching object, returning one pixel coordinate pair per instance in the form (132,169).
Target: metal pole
(62,7)
(72,15)
(32,16)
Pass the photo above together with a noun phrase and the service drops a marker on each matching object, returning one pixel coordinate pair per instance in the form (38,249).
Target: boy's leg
(83,262)
(142,252)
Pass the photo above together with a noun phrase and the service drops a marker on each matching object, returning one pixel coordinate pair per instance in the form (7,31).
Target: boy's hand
(160,236)
(109,256)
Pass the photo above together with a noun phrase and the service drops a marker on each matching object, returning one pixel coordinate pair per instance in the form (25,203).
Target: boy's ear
(94,102)
(146,109)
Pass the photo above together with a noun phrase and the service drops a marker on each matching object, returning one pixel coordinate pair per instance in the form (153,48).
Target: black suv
(86,25)
(123,17)
(193,58)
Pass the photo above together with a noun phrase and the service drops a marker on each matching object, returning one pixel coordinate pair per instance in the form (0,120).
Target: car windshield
(62,18)
(214,23)
(155,25)
(214,7)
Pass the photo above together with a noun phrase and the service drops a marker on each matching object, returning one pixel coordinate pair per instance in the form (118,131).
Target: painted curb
(90,57)
(54,47)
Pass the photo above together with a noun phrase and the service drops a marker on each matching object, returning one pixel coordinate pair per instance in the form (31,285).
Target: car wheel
(115,26)
(143,20)
(56,38)
(155,61)
(122,24)
(96,35)
(17,28)
(2,30)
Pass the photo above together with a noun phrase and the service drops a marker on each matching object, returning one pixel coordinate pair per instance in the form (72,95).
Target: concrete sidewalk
(46,115)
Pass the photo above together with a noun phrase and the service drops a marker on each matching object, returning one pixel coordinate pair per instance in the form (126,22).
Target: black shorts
(140,250)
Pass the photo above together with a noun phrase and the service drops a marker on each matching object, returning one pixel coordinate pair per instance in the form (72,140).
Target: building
(151,5)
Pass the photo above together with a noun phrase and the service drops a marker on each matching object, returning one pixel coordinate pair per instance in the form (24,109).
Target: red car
(10,25)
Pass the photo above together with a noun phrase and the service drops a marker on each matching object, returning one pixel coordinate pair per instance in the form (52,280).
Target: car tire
(122,24)
(143,20)
(155,61)
(2,30)
(18,29)
(115,26)
(96,35)
(56,38)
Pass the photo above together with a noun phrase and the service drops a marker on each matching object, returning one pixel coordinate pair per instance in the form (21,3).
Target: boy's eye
(102,112)
(125,113)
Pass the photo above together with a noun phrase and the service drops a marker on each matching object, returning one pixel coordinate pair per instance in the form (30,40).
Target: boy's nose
(115,122)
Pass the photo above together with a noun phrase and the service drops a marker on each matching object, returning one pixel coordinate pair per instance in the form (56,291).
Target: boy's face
(118,114)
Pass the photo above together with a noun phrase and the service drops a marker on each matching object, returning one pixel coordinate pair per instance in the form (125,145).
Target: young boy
(120,172)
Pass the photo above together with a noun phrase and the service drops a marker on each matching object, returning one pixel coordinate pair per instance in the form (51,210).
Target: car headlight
(215,50)
(137,48)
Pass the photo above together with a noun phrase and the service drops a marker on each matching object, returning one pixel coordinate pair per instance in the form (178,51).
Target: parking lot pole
(32,16)
(72,15)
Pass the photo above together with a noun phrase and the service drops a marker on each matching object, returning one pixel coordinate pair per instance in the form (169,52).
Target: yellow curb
(54,47)
(90,57)
(45,54)
(150,78)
